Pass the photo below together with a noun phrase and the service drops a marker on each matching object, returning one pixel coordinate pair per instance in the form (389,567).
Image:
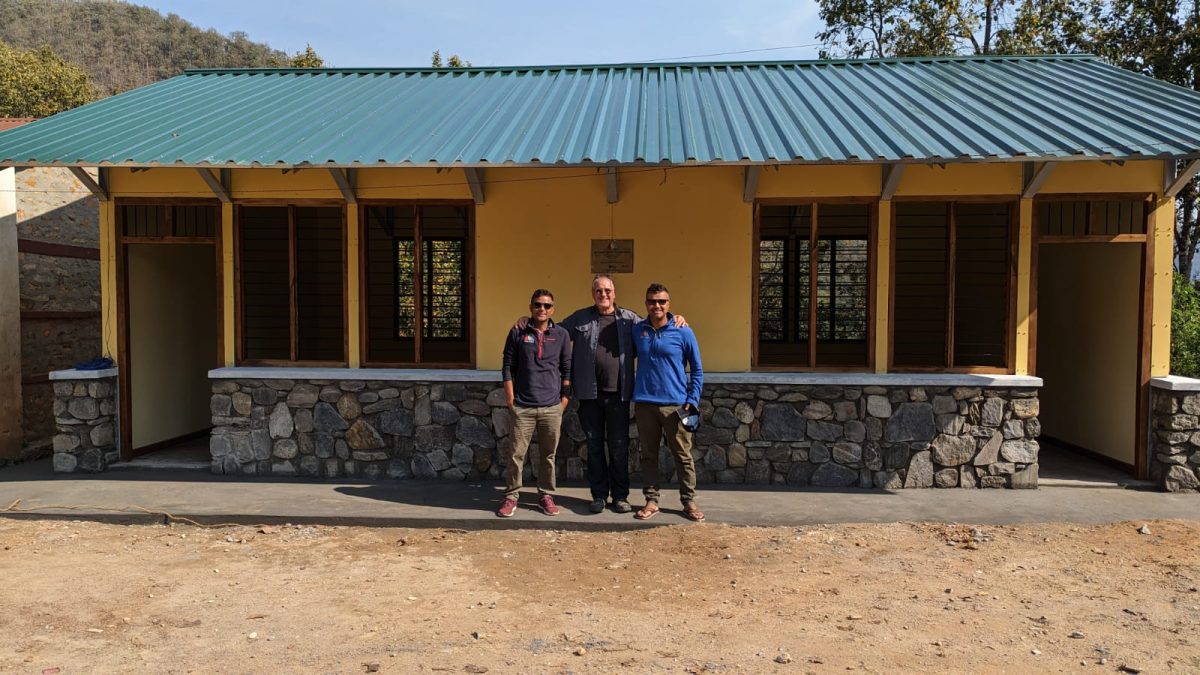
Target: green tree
(455,61)
(37,83)
(1185,328)
(307,59)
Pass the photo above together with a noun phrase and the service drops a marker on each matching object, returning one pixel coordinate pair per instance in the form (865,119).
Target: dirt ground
(86,597)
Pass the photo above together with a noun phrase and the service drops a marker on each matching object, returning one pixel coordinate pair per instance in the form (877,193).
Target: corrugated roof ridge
(644,65)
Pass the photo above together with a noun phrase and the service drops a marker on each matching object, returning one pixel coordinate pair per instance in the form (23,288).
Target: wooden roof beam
(750,187)
(346,180)
(1034,180)
(1172,184)
(215,184)
(100,189)
(891,181)
(610,185)
(475,182)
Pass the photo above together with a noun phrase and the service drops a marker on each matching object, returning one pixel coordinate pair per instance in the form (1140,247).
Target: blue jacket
(661,357)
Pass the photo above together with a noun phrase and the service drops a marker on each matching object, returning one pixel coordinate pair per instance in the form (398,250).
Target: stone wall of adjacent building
(85,416)
(1175,439)
(829,436)
(60,296)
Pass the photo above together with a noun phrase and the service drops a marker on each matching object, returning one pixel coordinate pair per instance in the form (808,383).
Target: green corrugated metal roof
(924,109)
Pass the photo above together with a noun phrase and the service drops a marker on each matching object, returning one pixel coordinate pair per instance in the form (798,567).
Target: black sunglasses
(541,305)
(657,301)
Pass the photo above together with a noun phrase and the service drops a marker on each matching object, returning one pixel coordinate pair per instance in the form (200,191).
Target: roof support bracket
(610,185)
(345,179)
(475,182)
(750,187)
(1033,180)
(1172,184)
(214,184)
(99,189)
(891,181)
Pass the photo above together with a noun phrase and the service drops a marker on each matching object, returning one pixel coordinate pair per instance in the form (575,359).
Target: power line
(744,51)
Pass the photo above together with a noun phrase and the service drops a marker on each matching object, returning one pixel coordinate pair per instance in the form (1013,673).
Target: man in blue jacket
(666,390)
(537,373)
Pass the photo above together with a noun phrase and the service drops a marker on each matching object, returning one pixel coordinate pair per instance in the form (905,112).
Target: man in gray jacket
(602,360)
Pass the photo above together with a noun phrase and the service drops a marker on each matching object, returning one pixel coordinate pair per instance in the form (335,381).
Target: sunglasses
(541,305)
(657,301)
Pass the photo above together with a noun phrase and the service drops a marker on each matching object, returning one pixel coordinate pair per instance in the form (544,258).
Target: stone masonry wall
(85,413)
(1175,440)
(54,207)
(830,436)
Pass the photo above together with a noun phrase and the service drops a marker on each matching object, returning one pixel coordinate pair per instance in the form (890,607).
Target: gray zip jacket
(583,327)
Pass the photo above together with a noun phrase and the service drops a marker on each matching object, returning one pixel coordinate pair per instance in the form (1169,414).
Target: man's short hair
(539,293)
(602,275)
(656,288)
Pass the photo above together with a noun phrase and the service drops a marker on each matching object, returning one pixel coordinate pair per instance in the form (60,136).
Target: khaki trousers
(653,422)
(547,424)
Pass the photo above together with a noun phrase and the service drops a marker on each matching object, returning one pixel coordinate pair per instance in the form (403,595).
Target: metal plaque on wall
(612,256)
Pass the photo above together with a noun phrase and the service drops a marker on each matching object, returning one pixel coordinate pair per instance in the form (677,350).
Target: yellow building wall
(172,339)
(692,231)
(1088,306)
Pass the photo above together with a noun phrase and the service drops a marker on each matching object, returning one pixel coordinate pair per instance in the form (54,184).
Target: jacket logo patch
(527,339)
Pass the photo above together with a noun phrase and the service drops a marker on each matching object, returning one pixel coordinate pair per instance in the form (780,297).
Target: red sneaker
(547,505)
(507,508)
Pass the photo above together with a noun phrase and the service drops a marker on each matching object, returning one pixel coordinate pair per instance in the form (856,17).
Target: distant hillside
(123,46)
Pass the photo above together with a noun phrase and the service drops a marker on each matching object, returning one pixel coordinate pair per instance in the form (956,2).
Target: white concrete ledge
(74,374)
(879,379)
(1175,383)
(391,374)
(465,375)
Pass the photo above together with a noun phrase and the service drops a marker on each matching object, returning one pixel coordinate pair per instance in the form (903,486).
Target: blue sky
(513,32)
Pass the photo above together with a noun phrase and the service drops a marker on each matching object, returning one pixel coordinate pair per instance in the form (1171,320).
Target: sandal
(647,512)
(692,512)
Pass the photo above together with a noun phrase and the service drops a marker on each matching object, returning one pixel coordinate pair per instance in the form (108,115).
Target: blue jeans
(607,419)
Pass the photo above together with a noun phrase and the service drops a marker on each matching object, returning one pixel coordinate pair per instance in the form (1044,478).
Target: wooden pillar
(110,334)
(353,313)
(1161,259)
(1024,275)
(883,285)
(10,329)
(228,316)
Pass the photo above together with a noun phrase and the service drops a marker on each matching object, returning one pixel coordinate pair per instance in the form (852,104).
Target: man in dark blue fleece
(666,389)
(537,373)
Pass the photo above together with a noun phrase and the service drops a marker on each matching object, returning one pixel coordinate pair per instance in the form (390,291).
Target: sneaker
(622,506)
(507,508)
(547,505)
(597,506)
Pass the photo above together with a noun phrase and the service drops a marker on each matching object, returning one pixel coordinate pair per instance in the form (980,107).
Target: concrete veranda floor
(33,490)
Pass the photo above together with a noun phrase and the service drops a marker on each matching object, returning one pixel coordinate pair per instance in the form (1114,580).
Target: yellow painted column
(883,285)
(228,292)
(1024,270)
(108,282)
(353,315)
(1161,279)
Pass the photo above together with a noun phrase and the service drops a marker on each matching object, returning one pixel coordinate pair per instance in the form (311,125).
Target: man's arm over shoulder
(691,356)
(575,320)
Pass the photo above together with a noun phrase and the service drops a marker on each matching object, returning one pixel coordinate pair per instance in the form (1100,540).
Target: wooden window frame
(1014,220)
(872,252)
(469,309)
(239,314)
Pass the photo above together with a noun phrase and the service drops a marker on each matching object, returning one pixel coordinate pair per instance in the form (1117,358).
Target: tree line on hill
(58,54)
